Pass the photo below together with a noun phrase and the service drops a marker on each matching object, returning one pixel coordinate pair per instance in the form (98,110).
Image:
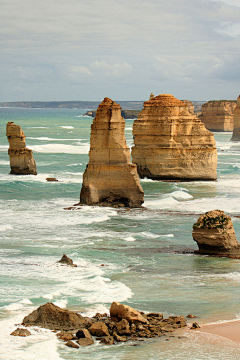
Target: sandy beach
(229,330)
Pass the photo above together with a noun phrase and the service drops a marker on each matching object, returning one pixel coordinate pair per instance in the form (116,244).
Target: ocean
(141,257)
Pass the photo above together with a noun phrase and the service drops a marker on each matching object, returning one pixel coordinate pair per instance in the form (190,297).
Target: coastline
(229,329)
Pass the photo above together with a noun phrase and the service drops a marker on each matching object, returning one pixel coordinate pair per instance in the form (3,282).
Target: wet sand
(229,330)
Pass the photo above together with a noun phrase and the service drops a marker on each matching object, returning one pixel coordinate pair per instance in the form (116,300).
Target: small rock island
(110,179)
(170,143)
(21,158)
(215,235)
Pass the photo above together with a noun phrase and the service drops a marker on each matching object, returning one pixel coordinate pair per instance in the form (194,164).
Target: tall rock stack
(110,179)
(21,158)
(236,120)
(190,106)
(218,115)
(172,144)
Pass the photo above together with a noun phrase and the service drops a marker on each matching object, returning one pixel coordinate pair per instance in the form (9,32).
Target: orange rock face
(110,179)
(236,119)
(170,143)
(21,158)
(218,115)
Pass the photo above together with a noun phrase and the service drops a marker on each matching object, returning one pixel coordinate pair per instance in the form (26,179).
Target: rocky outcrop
(65,260)
(21,332)
(172,144)
(108,329)
(110,179)
(236,120)
(215,235)
(218,115)
(21,158)
(50,316)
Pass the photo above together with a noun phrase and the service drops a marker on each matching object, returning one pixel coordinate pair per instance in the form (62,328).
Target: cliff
(21,158)
(110,179)
(218,115)
(172,144)
(236,120)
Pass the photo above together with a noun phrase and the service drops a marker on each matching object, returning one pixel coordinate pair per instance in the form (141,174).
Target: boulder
(83,333)
(50,316)
(170,143)
(236,122)
(121,311)
(85,341)
(215,235)
(110,179)
(99,329)
(72,344)
(21,158)
(123,327)
(218,115)
(107,340)
(21,332)
(66,261)
(51,179)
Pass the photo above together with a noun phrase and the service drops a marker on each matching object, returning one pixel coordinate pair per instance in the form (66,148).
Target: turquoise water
(142,257)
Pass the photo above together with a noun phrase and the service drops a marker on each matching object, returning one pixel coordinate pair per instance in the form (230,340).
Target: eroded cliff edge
(218,115)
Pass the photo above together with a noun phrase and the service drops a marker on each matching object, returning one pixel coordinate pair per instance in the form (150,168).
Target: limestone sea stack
(218,115)
(170,143)
(110,179)
(215,235)
(236,120)
(21,158)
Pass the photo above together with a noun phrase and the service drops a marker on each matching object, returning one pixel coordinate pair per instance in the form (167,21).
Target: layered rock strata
(218,115)
(236,120)
(21,158)
(215,235)
(170,143)
(110,179)
(123,324)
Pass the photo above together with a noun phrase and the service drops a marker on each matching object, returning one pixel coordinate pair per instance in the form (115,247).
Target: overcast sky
(123,49)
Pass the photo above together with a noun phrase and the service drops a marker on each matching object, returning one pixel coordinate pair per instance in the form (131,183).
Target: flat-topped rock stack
(110,179)
(170,143)
(218,115)
(236,120)
(21,158)
(215,235)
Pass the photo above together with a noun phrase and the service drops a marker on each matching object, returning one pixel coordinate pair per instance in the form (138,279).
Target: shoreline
(229,329)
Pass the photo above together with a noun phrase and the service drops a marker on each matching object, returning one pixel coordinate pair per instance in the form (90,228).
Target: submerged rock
(218,115)
(236,122)
(50,316)
(110,179)
(215,235)
(21,158)
(170,143)
(21,332)
(66,261)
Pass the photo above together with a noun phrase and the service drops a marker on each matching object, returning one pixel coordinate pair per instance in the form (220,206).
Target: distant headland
(86,105)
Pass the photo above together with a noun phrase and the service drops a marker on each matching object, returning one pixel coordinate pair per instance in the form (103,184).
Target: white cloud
(136,46)
(115,70)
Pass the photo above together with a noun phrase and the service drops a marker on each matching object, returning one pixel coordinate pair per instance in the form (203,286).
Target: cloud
(115,70)
(124,48)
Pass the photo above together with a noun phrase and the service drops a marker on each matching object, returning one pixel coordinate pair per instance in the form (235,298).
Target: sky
(125,49)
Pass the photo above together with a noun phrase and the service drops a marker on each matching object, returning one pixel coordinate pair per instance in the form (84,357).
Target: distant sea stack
(110,179)
(21,158)
(170,143)
(236,120)
(218,115)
